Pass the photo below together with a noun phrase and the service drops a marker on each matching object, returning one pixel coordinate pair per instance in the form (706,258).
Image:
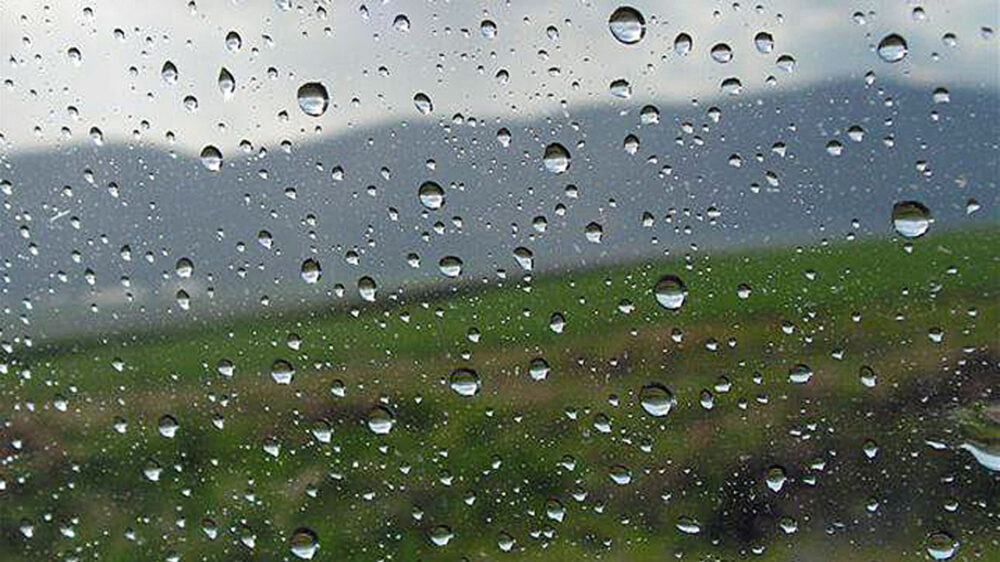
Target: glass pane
(499,280)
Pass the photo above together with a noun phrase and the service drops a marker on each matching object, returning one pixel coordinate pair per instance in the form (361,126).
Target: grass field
(494,463)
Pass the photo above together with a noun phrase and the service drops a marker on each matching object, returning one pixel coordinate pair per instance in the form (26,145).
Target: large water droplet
(464,382)
(656,400)
(525,258)
(233,41)
(892,48)
(450,266)
(313,98)
(764,42)
(800,374)
(776,478)
(423,103)
(440,535)
(169,73)
(683,44)
(722,53)
(627,25)
(670,292)
(168,426)
(381,420)
(304,543)
(367,288)
(227,84)
(431,195)
(282,371)
(941,546)
(538,369)
(911,218)
(556,158)
(211,158)
(311,271)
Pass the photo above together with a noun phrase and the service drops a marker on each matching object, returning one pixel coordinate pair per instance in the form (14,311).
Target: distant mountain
(788,188)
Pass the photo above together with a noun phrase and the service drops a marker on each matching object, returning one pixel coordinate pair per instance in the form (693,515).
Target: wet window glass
(461,280)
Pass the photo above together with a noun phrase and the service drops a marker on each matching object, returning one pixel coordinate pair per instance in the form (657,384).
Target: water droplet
(423,103)
(688,525)
(311,271)
(169,73)
(184,268)
(381,420)
(941,95)
(594,232)
(431,195)
(233,41)
(800,374)
(211,158)
(621,89)
(786,63)
(525,258)
(450,266)
(627,25)
(743,291)
(227,84)
(683,44)
(911,218)
(488,28)
(440,535)
(620,475)
(776,478)
(401,23)
(465,382)
(670,292)
(554,510)
(764,42)
(556,158)
(168,426)
(722,53)
(867,376)
(505,542)
(941,545)
(731,86)
(538,369)
(304,543)
(649,115)
(892,48)
(313,98)
(282,371)
(367,288)
(656,400)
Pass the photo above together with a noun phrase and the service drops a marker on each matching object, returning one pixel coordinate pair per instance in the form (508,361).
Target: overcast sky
(443,54)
